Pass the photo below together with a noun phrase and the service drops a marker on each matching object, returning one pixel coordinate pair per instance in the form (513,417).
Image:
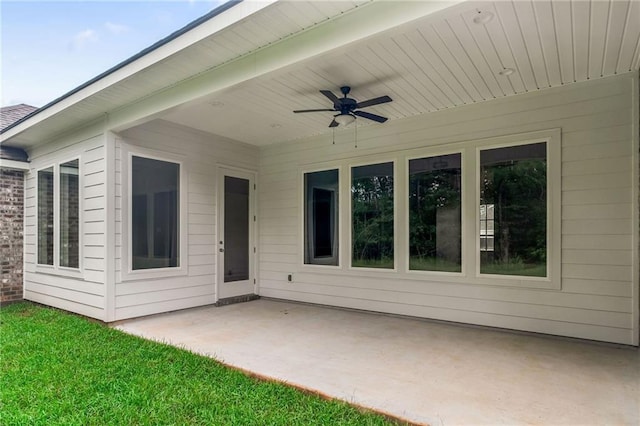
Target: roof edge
(191,25)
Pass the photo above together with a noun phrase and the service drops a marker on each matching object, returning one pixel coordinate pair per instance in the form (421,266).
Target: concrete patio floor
(422,371)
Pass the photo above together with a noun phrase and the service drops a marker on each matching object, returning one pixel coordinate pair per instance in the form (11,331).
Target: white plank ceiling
(473,53)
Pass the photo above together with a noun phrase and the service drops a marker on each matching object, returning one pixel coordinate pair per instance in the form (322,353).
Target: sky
(49,47)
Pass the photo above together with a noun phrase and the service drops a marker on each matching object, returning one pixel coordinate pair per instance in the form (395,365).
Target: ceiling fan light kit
(344,119)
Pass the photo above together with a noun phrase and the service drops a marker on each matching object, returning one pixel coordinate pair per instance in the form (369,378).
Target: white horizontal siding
(82,292)
(199,153)
(598,295)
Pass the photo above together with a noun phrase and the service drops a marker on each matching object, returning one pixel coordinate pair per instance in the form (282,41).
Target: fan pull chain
(334,135)
(356,130)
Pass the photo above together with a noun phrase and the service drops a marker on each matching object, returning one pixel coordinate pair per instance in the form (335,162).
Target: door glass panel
(236,229)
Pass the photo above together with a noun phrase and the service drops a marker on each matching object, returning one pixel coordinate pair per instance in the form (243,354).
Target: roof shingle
(13,113)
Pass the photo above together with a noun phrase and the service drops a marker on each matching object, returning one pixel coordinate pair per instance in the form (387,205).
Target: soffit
(433,63)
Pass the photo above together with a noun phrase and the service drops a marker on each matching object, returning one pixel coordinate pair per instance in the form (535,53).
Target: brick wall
(11,228)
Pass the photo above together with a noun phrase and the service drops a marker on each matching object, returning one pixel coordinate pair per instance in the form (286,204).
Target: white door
(236,236)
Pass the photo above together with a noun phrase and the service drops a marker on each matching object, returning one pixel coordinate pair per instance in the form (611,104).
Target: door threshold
(236,299)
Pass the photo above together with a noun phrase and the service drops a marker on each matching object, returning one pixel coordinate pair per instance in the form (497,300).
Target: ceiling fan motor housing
(346,105)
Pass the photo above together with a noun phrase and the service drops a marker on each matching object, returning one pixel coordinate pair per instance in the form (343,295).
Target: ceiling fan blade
(370,116)
(374,101)
(334,123)
(313,110)
(333,98)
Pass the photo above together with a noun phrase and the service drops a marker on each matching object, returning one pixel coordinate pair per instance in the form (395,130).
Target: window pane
(372,216)
(434,214)
(155,217)
(45,216)
(69,215)
(513,205)
(321,218)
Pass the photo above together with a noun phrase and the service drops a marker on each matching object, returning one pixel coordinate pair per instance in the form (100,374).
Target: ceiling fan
(346,108)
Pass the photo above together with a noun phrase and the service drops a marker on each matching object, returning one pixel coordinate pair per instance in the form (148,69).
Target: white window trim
(56,269)
(128,273)
(470,214)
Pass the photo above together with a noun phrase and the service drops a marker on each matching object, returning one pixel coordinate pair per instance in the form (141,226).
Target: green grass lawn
(59,368)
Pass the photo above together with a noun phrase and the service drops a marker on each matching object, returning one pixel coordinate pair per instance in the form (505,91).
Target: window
(45,216)
(435,213)
(59,215)
(155,198)
(321,218)
(372,216)
(485,212)
(513,210)
(69,214)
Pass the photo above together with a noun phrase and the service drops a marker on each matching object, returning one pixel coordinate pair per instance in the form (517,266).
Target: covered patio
(423,371)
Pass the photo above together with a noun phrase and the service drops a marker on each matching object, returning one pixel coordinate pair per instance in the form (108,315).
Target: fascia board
(13,164)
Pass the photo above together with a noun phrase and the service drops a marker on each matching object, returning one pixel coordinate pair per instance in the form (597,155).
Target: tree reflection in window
(372,216)
(514,181)
(434,213)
